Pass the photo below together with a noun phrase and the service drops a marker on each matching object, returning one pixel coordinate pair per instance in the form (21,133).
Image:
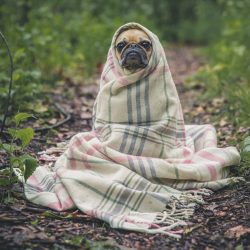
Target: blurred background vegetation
(57,40)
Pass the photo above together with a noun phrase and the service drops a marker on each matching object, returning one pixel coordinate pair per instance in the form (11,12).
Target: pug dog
(133,50)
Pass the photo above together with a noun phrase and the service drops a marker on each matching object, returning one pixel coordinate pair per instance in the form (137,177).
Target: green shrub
(18,162)
(53,40)
(228,72)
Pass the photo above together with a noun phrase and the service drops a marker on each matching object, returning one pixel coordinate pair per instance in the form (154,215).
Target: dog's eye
(145,44)
(120,46)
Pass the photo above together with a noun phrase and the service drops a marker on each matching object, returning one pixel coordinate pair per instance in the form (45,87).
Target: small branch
(12,220)
(52,242)
(34,209)
(68,117)
(10,83)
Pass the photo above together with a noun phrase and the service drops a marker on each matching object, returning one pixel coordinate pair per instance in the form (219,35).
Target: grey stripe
(162,147)
(129,103)
(146,99)
(47,183)
(142,168)
(138,101)
(125,196)
(112,188)
(109,102)
(123,199)
(141,187)
(146,123)
(133,141)
(154,131)
(151,166)
(165,88)
(122,195)
(145,192)
(147,109)
(143,139)
(149,138)
(101,194)
(131,164)
(124,140)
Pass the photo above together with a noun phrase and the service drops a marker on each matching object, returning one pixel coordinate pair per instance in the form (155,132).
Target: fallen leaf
(200,109)
(237,231)
(86,115)
(211,206)
(217,102)
(220,213)
(52,121)
(46,158)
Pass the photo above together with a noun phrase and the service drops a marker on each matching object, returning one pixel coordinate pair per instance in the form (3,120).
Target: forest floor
(221,223)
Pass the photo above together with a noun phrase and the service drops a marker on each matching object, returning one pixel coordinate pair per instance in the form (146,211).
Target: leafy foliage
(24,163)
(227,73)
(245,150)
(55,40)
(244,168)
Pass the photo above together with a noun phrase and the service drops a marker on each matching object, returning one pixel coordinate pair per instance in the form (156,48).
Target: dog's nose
(133,45)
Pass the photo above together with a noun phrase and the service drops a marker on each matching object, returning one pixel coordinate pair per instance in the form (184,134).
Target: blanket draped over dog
(141,168)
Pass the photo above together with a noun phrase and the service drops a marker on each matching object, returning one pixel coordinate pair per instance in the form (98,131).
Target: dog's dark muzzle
(134,57)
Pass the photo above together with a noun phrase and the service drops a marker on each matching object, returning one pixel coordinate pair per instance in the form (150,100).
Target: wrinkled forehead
(132,35)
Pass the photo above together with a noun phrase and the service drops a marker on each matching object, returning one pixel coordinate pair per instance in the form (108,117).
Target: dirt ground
(221,223)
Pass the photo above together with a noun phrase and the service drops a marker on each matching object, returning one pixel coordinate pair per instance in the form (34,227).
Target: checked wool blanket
(140,168)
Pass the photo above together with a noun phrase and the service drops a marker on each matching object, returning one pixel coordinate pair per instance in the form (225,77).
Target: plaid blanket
(141,168)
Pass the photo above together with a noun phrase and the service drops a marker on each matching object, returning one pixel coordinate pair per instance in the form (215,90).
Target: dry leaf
(200,109)
(52,121)
(220,213)
(86,115)
(237,231)
(217,102)
(223,122)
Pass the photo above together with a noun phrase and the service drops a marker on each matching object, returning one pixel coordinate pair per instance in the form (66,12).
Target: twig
(68,117)
(35,209)
(12,220)
(48,241)
(10,83)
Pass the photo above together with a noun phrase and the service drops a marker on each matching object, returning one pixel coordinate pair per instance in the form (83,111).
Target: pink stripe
(159,70)
(61,205)
(137,222)
(132,157)
(188,161)
(88,136)
(120,159)
(211,157)
(187,152)
(86,164)
(71,164)
(35,182)
(76,143)
(185,161)
(212,172)
(100,153)
(91,151)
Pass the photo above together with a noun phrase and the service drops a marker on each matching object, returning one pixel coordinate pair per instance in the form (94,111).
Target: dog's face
(133,49)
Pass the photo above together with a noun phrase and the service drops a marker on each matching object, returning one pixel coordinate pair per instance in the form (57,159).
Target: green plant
(18,161)
(245,157)
(227,73)
(243,169)
(57,40)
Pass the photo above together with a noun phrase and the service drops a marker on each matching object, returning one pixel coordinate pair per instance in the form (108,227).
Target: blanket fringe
(173,217)
(178,212)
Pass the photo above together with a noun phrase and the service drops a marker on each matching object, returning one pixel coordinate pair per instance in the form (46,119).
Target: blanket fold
(141,168)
